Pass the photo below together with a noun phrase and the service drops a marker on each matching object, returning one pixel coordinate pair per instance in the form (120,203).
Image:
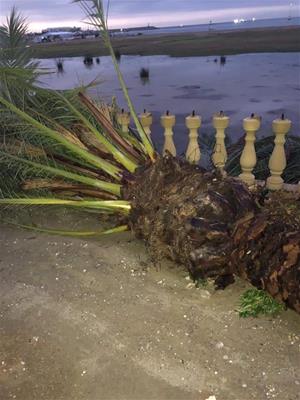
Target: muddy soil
(95,320)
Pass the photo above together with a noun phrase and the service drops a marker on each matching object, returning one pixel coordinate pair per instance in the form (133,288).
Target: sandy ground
(94,320)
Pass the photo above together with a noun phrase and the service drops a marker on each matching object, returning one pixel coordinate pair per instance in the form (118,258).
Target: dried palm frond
(18,147)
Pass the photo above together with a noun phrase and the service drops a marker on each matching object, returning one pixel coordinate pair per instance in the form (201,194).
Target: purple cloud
(155,12)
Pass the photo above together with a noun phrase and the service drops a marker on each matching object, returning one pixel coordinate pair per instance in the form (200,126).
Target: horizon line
(81,26)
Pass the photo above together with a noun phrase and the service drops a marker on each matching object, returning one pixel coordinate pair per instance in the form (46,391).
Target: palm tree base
(217,228)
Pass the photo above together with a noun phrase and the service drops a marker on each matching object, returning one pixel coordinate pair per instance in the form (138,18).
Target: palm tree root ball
(217,228)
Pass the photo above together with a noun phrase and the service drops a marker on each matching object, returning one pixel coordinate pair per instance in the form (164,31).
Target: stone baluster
(168,121)
(248,158)
(193,153)
(277,161)
(146,121)
(123,119)
(220,123)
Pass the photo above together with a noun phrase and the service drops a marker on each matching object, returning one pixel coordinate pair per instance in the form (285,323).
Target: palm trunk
(218,228)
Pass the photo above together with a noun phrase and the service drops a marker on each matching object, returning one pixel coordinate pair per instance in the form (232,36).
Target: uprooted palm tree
(77,157)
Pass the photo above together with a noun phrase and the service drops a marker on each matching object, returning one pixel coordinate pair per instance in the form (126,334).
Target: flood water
(267,84)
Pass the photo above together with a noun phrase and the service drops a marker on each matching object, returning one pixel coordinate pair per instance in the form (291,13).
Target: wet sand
(94,320)
(258,40)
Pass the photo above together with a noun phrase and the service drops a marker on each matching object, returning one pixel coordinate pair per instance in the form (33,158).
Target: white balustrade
(248,158)
(277,161)
(146,120)
(168,121)
(193,153)
(220,123)
(123,119)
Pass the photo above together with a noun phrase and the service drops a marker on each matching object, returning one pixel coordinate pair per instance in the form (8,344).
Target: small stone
(219,345)
(205,294)
(190,285)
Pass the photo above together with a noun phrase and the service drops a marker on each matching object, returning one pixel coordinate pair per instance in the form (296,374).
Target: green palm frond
(13,42)
(60,149)
(97,16)
(17,70)
(44,130)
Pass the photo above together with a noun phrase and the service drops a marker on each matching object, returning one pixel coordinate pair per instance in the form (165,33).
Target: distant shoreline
(259,40)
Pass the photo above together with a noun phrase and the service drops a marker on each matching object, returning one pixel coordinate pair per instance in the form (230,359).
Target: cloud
(141,12)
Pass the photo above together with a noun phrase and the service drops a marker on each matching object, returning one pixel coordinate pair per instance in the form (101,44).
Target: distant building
(62,29)
(54,36)
(57,34)
(67,33)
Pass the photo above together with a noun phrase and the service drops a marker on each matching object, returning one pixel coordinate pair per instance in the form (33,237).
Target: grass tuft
(254,303)
(201,283)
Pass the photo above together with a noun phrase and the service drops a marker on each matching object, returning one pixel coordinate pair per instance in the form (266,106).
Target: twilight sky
(125,13)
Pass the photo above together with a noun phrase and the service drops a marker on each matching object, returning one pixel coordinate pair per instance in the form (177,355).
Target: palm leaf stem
(117,229)
(109,129)
(98,20)
(118,205)
(106,186)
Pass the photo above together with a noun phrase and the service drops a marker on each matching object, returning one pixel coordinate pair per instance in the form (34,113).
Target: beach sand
(95,320)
